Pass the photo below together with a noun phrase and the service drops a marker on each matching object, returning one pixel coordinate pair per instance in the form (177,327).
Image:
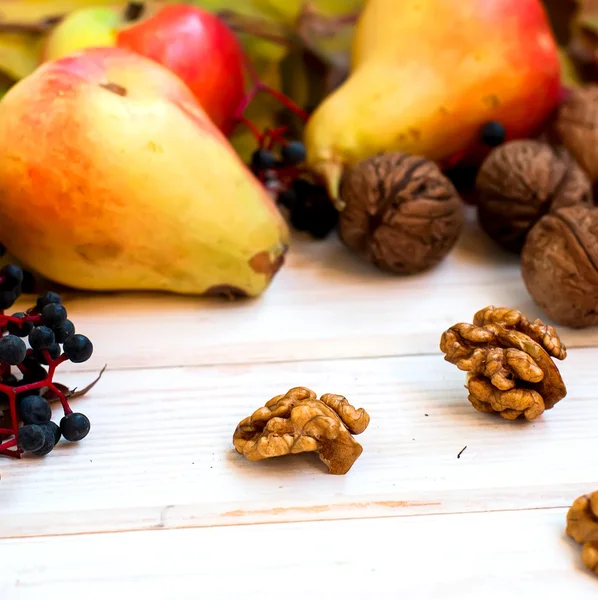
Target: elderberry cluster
(308,205)
(30,341)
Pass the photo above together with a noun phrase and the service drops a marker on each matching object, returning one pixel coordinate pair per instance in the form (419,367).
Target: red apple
(198,47)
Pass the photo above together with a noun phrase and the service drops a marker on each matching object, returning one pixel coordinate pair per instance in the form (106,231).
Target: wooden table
(156,501)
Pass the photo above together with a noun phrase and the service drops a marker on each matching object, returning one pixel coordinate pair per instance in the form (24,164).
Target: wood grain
(455,557)
(160,452)
(326,303)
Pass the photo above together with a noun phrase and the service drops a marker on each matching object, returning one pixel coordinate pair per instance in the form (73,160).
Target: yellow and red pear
(428,74)
(113,177)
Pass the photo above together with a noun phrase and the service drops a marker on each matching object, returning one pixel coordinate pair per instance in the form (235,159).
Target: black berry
(64,331)
(493,134)
(34,410)
(51,431)
(20,330)
(12,277)
(53,315)
(74,427)
(263,159)
(7,299)
(28,285)
(293,153)
(48,298)
(41,338)
(78,348)
(313,212)
(12,350)
(10,379)
(53,350)
(49,439)
(288,199)
(34,372)
(31,438)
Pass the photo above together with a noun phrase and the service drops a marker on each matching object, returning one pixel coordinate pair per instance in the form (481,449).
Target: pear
(426,75)
(112,177)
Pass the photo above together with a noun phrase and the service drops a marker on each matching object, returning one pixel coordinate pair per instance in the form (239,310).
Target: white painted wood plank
(160,452)
(489,556)
(325,303)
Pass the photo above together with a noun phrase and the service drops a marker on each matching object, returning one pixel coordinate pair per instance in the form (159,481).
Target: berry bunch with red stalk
(278,164)
(27,371)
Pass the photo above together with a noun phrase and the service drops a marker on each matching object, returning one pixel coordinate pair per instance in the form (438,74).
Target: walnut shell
(577,126)
(521,181)
(402,214)
(559,265)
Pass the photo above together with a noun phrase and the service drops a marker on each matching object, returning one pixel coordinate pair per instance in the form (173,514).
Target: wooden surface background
(156,501)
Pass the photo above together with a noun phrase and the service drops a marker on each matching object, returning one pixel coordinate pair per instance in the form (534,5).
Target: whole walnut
(401,213)
(559,265)
(521,181)
(577,127)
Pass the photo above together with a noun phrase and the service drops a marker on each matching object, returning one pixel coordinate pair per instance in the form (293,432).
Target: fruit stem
(254,130)
(11,393)
(284,100)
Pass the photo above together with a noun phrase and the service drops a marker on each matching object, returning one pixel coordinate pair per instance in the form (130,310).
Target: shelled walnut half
(508,360)
(298,422)
(582,526)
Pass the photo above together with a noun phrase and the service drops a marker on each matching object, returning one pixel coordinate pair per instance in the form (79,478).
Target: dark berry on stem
(12,350)
(300,217)
(53,315)
(493,134)
(53,350)
(20,330)
(263,159)
(51,431)
(288,199)
(293,153)
(34,410)
(34,371)
(49,441)
(48,298)
(41,338)
(64,331)
(7,299)
(10,379)
(78,348)
(28,285)
(74,427)
(13,277)
(31,437)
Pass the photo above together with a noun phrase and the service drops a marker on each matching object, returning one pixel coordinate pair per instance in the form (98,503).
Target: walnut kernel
(559,265)
(522,180)
(582,526)
(298,422)
(401,213)
(508,364)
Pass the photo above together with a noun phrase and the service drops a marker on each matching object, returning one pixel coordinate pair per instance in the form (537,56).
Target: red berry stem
(258,86)
(11,393)
(254,130)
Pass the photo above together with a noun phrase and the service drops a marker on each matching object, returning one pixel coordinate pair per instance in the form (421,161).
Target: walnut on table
(582,526)
(298,422)
(521,181)
(508,360)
